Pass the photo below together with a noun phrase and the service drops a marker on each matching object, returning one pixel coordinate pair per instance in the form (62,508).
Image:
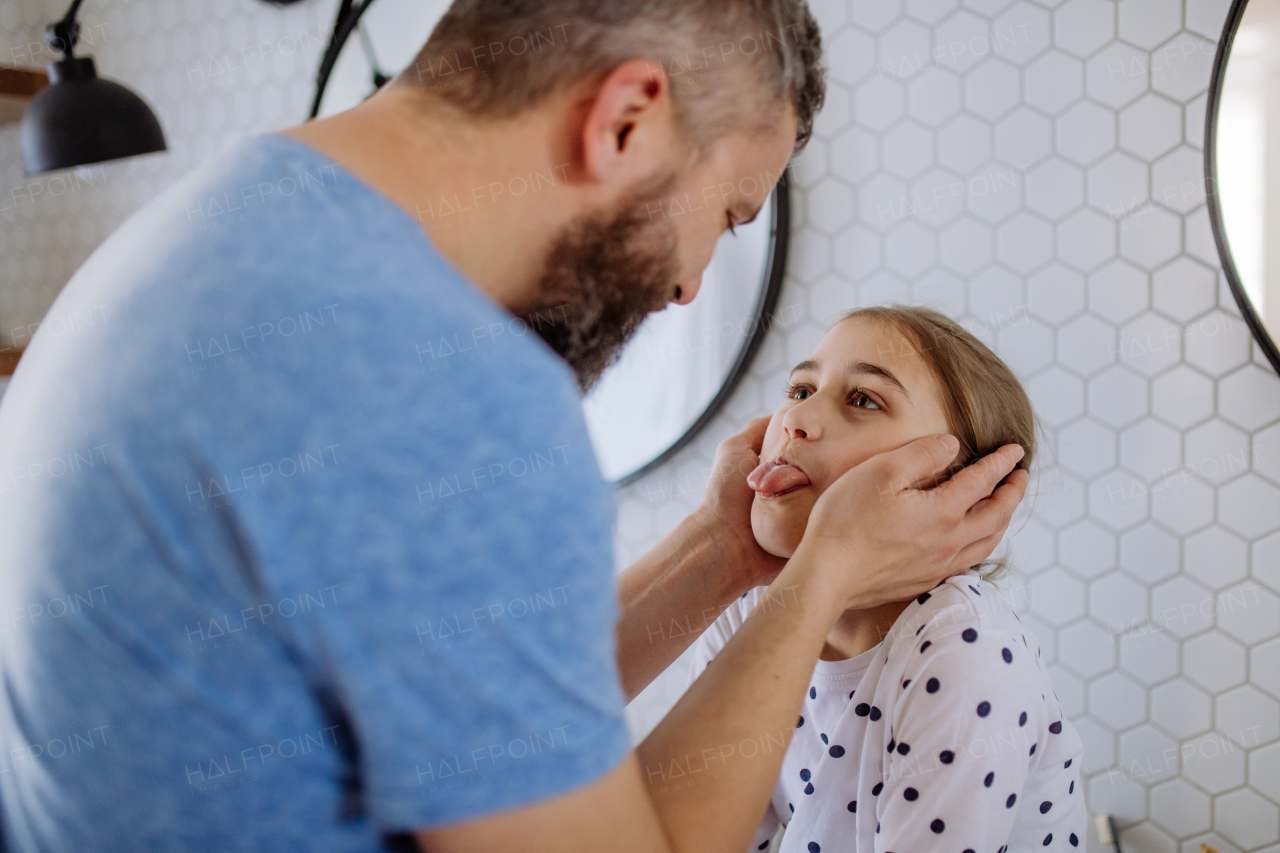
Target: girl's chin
(776,534)
(786,552)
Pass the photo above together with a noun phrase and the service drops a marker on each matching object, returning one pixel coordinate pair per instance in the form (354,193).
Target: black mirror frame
(1216,80)
(344,24)
(349,15)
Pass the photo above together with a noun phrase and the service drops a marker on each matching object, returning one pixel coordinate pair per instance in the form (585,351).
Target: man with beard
(304,545)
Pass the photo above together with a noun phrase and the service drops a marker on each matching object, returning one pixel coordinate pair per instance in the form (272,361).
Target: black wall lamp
(80,118)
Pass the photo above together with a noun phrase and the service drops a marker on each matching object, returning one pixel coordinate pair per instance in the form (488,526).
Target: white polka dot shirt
(946,736)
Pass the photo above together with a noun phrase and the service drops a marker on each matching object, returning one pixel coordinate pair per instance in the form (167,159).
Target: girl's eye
(862,401)
(797,392)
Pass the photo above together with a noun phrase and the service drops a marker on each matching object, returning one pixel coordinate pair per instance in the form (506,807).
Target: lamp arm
(65,33)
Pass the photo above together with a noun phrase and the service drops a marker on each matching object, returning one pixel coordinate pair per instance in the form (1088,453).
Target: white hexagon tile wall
(1035,169)
(212,70)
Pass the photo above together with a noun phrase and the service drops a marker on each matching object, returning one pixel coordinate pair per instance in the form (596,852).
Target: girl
(929,724)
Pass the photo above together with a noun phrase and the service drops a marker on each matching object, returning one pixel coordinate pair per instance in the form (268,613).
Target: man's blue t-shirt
(303,544)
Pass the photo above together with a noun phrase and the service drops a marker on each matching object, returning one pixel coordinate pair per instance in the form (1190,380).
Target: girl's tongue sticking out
(776,477)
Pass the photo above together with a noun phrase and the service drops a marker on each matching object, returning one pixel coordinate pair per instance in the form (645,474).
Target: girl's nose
(801,420)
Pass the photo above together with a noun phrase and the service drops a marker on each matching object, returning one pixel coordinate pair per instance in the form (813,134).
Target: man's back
(275,526)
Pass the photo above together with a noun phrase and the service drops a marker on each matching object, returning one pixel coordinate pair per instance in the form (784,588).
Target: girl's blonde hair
(985,405)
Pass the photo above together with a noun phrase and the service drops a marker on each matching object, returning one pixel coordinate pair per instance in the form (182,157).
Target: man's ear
(630,124)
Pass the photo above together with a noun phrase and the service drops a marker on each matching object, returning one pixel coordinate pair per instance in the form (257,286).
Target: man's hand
(884,533)
(725,512)
(671,594)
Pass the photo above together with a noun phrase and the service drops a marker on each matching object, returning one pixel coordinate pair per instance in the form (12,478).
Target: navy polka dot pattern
(955,736)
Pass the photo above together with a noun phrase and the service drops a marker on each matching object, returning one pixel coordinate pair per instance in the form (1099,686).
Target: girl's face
(865,390)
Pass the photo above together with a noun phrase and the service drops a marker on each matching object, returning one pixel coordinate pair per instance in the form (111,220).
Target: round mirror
(1242,163)
(684,362)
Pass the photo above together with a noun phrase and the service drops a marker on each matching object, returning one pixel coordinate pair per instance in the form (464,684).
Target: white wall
(212,70)
(1077,243)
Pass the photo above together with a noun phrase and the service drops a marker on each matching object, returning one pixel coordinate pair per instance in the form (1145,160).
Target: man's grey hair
(733,64)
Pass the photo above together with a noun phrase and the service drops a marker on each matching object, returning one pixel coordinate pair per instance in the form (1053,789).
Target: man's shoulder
(243,339)
(272,252)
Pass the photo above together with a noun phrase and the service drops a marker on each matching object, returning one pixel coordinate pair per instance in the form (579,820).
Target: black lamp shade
(80,119)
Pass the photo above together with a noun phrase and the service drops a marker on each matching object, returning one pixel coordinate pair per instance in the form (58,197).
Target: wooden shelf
(17,87)
(9,360)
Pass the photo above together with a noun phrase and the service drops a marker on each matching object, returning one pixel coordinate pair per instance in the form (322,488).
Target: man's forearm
(712,762)
(667,599)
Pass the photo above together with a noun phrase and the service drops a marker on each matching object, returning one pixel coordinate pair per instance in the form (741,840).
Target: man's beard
(605,273)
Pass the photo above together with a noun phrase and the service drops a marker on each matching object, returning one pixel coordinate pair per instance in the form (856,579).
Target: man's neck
(491,195)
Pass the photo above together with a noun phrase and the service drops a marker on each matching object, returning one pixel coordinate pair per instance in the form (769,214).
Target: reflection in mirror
(1247,161)
(680,357)
(684,361)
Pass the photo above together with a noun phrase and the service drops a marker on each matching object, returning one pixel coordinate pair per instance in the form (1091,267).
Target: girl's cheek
(772,435)
(758,525)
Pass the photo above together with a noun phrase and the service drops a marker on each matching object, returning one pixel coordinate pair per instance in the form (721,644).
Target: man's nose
(686,290)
